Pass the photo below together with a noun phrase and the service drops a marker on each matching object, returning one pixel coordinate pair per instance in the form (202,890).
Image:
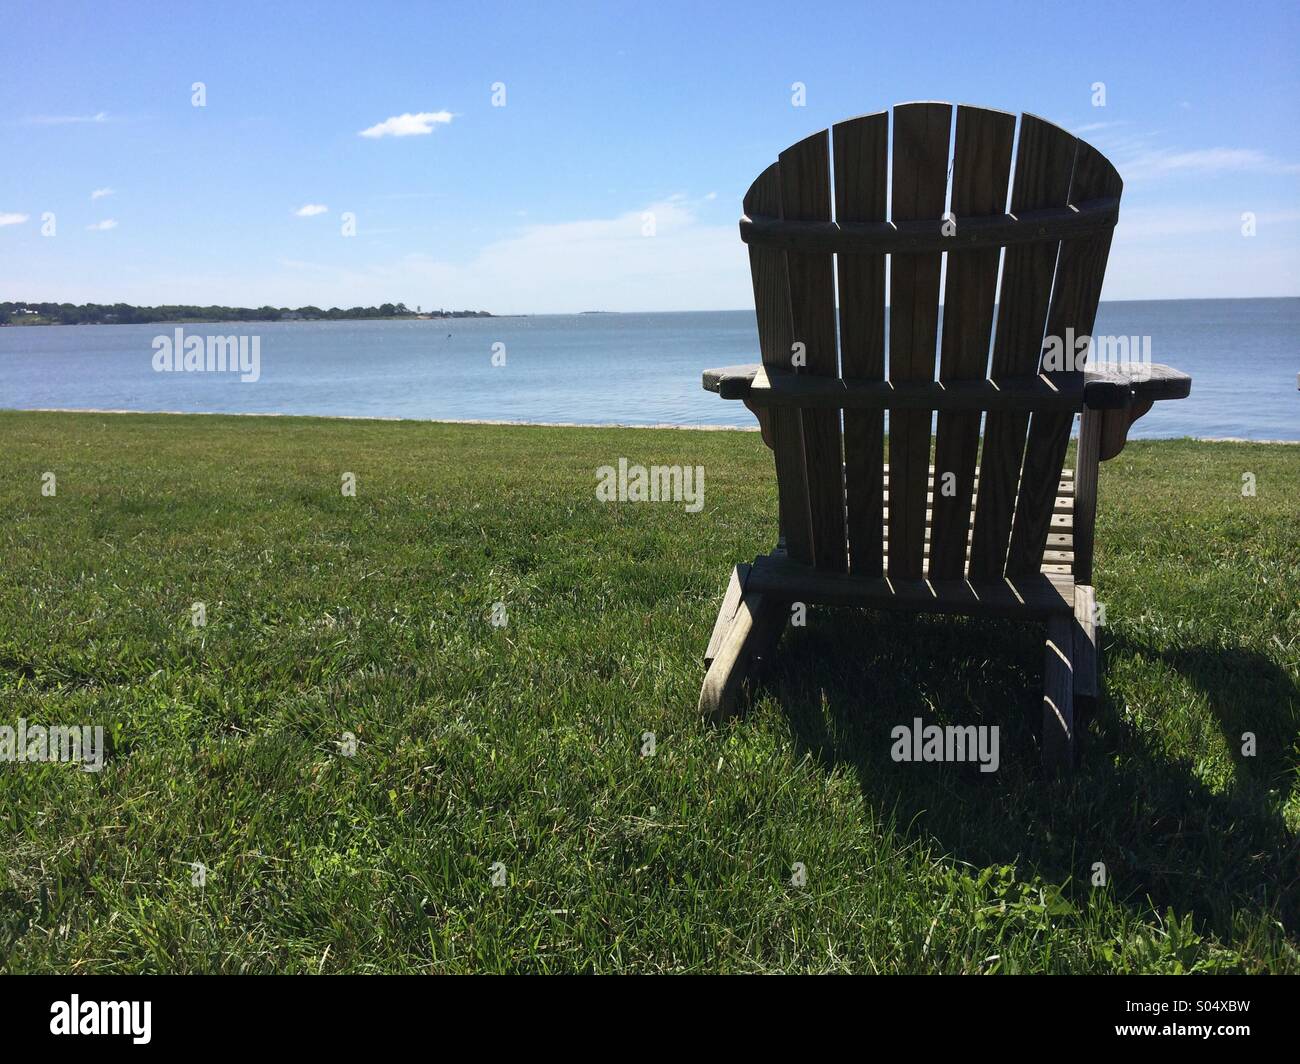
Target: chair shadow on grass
(848,678)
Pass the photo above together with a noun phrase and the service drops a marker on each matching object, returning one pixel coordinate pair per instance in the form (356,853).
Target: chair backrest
(1042,228)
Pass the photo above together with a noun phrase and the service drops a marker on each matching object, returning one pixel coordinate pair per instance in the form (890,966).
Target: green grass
(522,744)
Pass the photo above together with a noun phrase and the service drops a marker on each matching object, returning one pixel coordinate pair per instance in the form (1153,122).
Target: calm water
(1243,356)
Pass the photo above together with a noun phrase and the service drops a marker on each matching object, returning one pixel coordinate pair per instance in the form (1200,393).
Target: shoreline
(381,417)
(514,423)
(246,321)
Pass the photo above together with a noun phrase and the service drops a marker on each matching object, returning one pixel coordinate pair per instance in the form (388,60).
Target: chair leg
(748,634)
(1087,684)
(730,603)
(1058,695)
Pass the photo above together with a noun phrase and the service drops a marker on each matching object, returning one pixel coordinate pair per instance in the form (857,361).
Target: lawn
(504,808)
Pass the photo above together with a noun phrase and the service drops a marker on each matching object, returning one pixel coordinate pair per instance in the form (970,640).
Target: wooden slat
(1046,569)
(1050,556)
(1061,519)
(1065,492)
(1085,642)
(920,181)
(1058,539)
(730,603)
(1085,498)
(806,196)
(772,308)
(757,622)
(1067,392)
(1061,504)
(977,233)
(861,182)
(1064,472)
(1147,382)
(1064,486)
(1075,295)
(1044,161)
(1039,595)
(980,169)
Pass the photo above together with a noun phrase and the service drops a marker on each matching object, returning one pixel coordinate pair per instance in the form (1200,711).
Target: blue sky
(612,112)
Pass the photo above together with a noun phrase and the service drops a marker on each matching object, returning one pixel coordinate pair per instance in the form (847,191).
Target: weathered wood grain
(806,196)
(730,603)
(1015,539)
(980,171)
(1022,393)
(920,183)
(1044,162)
(861,150)
(750,628)
(775,329)
(1076,292)
(925,236)
(1085,642)
(1152,382)
(1085,494)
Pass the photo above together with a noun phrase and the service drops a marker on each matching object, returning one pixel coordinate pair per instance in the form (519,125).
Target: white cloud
(593,264)
(559,267)
(1161,224)
(104,226)
(64,120)
(1204,161)
(1233,268)
(12,219)
(606,264)
(100,193)
(1093,127)
(408,125)
(1198,251)
(310,210)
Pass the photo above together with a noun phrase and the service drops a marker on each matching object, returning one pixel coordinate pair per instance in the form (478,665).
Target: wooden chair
(942,524)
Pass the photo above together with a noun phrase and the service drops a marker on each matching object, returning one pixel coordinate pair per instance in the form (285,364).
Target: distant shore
(18,312)
(44,324)
(373,417)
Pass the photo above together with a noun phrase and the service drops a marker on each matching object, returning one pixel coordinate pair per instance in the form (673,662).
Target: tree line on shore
(125,314)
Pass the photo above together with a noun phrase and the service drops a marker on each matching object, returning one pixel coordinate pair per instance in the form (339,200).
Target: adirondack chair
(940,524)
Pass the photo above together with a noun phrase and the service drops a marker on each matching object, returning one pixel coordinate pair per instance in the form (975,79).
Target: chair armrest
(1150,382)
(731,382)
(759,387)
